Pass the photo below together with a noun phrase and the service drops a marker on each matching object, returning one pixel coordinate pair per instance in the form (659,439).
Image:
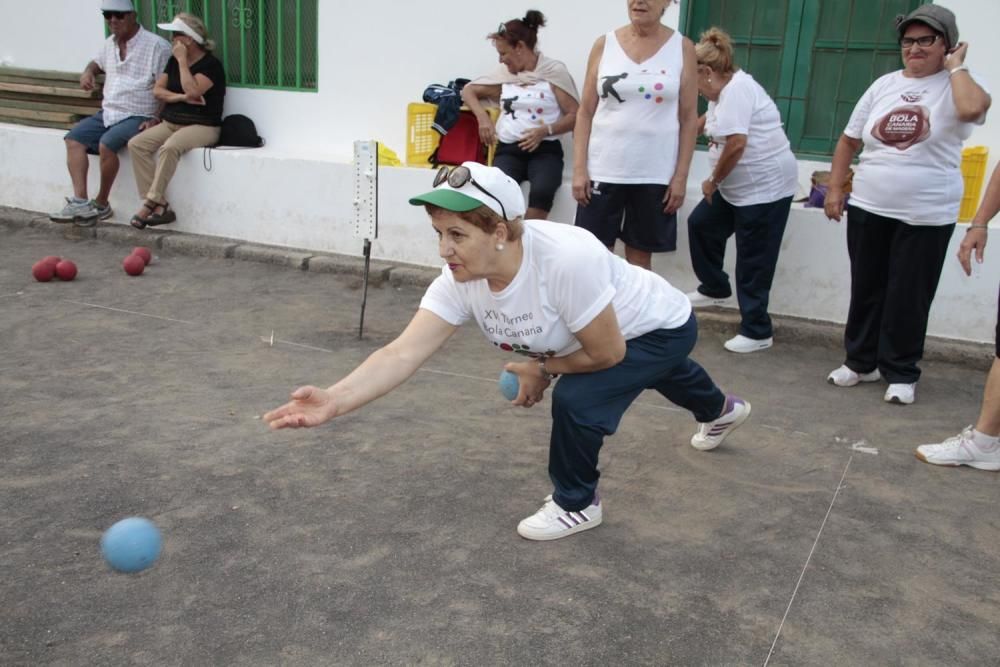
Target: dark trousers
(588,406)
(758,229)
(543,168)
(895,269)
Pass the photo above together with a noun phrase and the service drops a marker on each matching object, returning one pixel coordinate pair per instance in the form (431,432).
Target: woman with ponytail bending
(749,191)
(538,102)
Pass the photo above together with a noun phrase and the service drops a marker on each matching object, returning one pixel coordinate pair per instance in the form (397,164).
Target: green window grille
(814,57)
(262,43)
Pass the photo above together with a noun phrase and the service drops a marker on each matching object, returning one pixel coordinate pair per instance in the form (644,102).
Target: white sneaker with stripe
(711,434)
(552,522)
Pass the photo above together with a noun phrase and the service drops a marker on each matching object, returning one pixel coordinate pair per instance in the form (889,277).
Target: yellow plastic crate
(974,174)
(421,140)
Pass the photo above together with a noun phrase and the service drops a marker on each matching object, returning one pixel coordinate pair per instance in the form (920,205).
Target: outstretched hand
(310,406)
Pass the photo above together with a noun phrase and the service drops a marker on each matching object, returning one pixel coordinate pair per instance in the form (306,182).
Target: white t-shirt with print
(566,278)
(910,167)
(767,171)
(635,133)
(524,108)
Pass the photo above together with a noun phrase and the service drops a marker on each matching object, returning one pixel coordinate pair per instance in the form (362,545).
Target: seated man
(131,59)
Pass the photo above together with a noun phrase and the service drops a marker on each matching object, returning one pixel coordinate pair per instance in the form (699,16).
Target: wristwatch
(547,376)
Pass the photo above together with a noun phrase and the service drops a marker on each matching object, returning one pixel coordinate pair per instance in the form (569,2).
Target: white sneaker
(699,300)
(743,345)
(845,377)
(961,450)
(552,522)
(711,434)
(901,393)
(75,210)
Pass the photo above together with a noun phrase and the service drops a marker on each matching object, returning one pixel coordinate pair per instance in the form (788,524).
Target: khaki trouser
(151,176)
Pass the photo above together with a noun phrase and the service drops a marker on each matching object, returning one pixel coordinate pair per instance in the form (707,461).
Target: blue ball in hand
(508,385)
(131,545)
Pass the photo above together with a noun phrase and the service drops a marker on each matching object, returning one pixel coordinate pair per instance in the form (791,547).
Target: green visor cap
(449,200)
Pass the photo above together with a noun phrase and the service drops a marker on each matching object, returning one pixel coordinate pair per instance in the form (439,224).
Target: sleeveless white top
(635,131)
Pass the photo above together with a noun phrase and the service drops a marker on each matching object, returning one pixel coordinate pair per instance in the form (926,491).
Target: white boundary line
(128,312)
(802,574)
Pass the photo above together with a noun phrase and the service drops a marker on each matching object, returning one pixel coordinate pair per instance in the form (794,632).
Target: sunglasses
(457,177)
(925,41)
(114,15)
(502,29)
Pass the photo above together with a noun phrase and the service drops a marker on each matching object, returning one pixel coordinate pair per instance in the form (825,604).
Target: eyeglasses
(459,176)
(925,41)
(502,29)
(114,15)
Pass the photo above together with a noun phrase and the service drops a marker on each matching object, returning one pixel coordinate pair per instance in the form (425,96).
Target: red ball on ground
(133,265)
(143,252)
(51,259)
(66,270)
(43,271)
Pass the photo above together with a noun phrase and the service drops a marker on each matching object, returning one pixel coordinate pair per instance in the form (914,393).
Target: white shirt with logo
(910,167)
(566,278)
(525,107)
(128,83)
(635,132)
(767,171)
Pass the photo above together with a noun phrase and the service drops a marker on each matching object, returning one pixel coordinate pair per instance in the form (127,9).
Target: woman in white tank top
(635,133)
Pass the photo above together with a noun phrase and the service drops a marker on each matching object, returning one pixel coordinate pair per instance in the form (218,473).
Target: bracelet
(547,376)
(960,68)
(979,226)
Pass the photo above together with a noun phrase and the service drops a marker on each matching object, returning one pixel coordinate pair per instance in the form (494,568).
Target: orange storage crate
(974,174)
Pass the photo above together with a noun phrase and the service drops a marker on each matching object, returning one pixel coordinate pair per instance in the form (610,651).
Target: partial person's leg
(142,149)
(603,215)
(868,241)
(709,227)
(914,266)
(977,447)
(112,142)
(647,229)
(78,165)
(180,142)
(759,230)
(545,170)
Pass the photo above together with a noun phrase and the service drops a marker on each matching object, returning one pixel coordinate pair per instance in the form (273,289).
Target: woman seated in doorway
(192,88)
(539,102)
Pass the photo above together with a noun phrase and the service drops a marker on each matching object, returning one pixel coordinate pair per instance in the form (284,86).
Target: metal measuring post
(365,208)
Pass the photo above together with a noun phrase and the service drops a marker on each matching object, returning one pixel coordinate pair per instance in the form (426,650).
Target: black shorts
(543,168)
(630,212)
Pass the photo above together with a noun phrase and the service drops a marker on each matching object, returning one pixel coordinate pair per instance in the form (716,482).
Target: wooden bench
(45,99)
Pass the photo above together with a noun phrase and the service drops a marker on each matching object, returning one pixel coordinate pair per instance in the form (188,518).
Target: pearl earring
(710,79)
(500,247)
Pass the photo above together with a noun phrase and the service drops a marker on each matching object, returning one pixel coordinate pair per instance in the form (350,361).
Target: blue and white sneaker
(711,434)
(75,209)
(552,522)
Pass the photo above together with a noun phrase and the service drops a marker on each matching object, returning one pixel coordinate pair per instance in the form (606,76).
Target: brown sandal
(164,218)
(140,222)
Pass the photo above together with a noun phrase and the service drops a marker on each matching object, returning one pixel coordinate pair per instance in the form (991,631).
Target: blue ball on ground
(131,545)
(509,385)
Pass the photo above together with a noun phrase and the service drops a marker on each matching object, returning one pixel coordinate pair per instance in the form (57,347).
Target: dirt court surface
(812,537)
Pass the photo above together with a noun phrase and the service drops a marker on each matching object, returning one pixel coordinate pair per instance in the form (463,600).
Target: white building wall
(376,58)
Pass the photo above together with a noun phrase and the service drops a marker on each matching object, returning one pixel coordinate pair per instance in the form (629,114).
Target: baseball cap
(177,25)
(117,6)
(496,190)
(937,17)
